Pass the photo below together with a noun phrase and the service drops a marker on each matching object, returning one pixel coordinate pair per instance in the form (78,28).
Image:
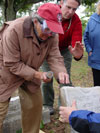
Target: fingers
(79,45)
(70,48)
(64,117)
(44,77)
(90,53)
(66,80)
(63,78)
(74,104)
(61,108)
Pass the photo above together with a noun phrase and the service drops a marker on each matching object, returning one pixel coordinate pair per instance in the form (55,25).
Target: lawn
(81,74)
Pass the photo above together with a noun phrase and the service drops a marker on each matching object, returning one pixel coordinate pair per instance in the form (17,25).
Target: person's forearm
(21,70)
(85,121)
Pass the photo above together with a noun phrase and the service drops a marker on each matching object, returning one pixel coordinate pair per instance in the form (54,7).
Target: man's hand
(77,51)
(42,76)
(66,111)
(63,78)
(90,53)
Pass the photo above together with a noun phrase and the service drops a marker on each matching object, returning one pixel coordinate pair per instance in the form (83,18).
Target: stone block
(12,123)
(45,115)
(41,131)
(86,99)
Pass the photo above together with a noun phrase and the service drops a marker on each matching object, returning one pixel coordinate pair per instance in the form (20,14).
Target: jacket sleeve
(86,39)
(85,121)
(12,57)
(77,31)
(54,58)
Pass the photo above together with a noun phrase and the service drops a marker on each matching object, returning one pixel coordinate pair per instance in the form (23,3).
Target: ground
(81,76)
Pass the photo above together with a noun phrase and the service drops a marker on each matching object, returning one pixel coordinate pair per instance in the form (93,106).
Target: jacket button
(38,53)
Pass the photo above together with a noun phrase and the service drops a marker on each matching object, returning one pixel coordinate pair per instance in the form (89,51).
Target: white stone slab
(86,98)
(41,131)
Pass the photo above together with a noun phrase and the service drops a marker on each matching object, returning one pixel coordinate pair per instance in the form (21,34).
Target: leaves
(89,2)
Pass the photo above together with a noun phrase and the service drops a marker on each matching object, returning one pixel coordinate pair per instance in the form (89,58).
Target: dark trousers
(47,88)
(96,77)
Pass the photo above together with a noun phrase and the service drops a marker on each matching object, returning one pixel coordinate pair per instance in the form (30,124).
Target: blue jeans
(47,88)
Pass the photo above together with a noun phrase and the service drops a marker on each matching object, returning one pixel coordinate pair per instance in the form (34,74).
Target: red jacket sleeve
(77,30)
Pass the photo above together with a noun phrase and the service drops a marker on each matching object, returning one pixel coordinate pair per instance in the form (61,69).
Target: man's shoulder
(16,25)
(94,16)
(16,22)
(76,17)
(53,39)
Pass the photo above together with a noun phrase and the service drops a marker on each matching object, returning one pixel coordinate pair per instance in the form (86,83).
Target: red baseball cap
(53,16)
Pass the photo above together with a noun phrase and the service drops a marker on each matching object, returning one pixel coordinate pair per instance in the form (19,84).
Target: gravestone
(12,123)
(45,115)
(86,99)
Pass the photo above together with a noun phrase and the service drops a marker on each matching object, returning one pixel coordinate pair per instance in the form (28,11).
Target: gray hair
(79,1)
(34,15)
(98,7)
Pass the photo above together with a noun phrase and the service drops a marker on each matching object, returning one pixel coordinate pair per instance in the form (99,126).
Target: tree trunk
(9,12)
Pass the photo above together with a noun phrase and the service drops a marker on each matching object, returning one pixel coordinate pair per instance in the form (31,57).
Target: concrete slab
(45,115)
(86,98)
(41,131)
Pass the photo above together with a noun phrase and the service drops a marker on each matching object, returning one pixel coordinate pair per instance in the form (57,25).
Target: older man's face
(98,8)
(68,8)
(43,31)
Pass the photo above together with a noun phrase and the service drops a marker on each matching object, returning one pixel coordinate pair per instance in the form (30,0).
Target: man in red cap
(24,44)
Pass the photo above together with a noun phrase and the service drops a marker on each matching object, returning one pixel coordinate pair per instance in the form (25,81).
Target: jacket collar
(28,27)
(96,17)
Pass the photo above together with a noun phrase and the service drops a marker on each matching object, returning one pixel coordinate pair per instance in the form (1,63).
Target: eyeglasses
(46,30)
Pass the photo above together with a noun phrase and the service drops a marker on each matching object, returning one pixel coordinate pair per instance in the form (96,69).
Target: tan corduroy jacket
(21,55)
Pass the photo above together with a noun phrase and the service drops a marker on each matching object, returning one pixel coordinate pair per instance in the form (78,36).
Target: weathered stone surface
(12,122)
(45,115)
(41,131)
(86,98)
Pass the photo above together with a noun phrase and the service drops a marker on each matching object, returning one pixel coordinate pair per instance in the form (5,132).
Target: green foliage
(81,74)
(19,131)
(41,125)
(88,2)
(24,6)
(88,12)
(84,22)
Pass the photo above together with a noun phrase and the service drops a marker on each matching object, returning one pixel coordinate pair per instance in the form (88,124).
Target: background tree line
(11,9)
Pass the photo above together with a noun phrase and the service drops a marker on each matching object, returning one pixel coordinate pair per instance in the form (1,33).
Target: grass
(81,74)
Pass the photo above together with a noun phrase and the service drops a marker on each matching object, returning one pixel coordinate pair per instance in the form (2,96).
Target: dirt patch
(55,126)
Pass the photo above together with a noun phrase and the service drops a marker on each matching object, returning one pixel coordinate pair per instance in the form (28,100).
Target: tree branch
(26,2)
